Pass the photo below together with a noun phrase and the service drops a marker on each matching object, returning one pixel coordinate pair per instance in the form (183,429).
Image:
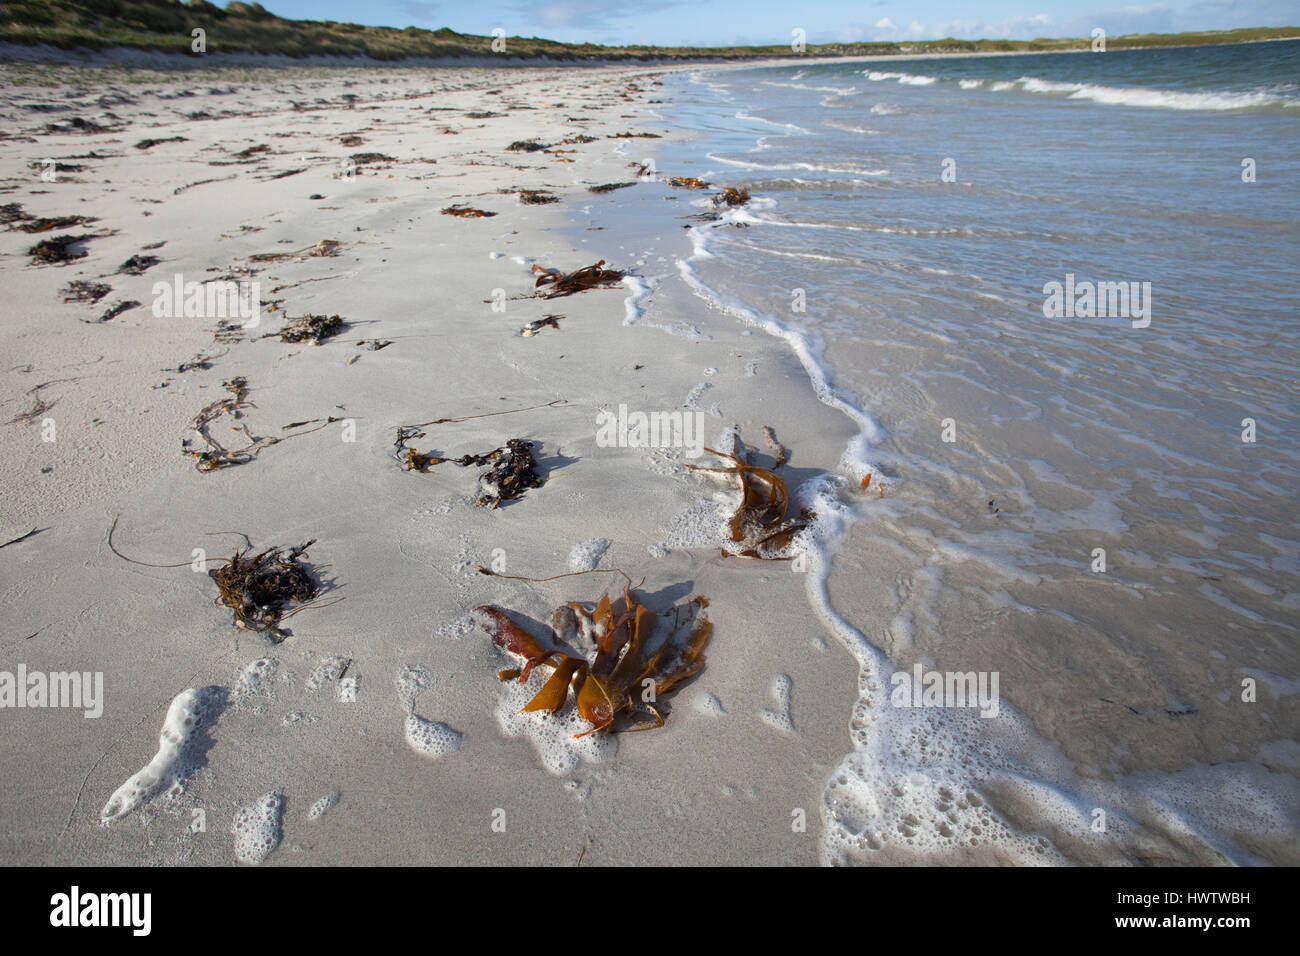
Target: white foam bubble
(348,689)
(425,736)
(780,717)
(257,828)
(254,680)
(298,717)
(430,737)
(553,736)
(586,556)
(323,805)
(707,703)
(329,669)
(190,712)
(410,680)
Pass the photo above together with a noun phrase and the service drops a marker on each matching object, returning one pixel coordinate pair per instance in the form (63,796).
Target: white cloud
(1157,18)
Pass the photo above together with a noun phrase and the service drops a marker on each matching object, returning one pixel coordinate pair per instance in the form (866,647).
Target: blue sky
(727,22)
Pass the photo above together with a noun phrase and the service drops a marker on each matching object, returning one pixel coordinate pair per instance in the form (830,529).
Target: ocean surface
(1097,503)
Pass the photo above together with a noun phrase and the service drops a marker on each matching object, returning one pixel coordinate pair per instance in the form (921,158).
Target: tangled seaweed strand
(513,471)
(216,455)
(317,328)
(259,589)
(561,283)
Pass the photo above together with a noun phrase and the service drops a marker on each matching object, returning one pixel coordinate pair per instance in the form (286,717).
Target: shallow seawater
(1097,508)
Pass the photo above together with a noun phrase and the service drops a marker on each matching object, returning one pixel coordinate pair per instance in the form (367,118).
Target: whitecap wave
(907,79)
(1211,100)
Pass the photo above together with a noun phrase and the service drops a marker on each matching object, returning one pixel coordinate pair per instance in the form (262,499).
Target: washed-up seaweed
(609,187)
(536,197)
(199,361)
(216,455)
(535,326)
(483,114)
(59,167)
(761,526)
(619,658)
(151,143)
(202,182)
(258,589)
(31,225)
(323,248)
(317,328)
(466,212)
(730,196)
(634,136)
(562,284)
(137,265)
(82,290)
(688,182)
(779,452)
(253,151)
(113,311)
(78,125)
(58,249)
(311,421)
(228,331)
(351,139)
(525,146)
(577,140)
(513,471)
(21,537)
(39,407)
(361,159)
(11,213)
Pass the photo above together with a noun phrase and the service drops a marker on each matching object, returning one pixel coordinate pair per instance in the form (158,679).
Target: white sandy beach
(401,547)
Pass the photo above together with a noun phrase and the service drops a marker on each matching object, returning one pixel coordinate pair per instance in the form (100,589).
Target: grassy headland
(168,25)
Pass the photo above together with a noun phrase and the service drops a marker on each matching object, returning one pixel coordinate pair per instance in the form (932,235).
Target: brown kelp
(619,658)
(467,212)
(322,249)
(562,283)
(761,526)
(730,196)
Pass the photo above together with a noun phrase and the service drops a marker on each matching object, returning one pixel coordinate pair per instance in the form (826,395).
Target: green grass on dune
(166,25)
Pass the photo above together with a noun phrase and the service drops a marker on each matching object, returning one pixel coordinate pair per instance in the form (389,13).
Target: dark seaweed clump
(317,328)
(259,589)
